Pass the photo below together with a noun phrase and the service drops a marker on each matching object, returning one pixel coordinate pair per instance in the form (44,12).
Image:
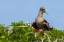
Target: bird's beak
(46,12)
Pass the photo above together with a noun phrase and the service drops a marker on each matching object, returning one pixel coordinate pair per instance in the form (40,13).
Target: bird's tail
(50,29)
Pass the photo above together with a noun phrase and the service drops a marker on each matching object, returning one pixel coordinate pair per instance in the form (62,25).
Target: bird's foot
(42,32)
(36,30)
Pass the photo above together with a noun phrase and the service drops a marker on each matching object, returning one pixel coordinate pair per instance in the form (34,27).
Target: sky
(27,10)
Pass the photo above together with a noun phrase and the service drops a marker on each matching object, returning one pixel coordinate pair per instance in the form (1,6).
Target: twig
(47,37)
(29,33)
(55,40)
(42,39)
(23,26)
(34,35)
(59,40)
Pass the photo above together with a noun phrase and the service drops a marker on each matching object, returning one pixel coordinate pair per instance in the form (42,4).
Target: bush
(27,34)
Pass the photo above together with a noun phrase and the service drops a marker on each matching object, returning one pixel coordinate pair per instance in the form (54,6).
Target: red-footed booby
(40,22)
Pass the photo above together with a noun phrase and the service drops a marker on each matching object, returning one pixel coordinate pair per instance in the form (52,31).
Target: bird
(40,22)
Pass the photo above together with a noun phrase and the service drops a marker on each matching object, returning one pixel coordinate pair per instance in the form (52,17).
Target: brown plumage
(44,26)
(41,23)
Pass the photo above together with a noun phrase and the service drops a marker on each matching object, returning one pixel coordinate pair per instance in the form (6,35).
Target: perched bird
(40,22)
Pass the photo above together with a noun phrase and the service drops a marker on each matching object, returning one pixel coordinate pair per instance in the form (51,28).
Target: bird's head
(43,9)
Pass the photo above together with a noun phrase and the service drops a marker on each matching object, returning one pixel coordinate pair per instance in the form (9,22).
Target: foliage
(27,34)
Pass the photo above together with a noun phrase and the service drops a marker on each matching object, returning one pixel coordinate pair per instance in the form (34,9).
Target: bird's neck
(40,14)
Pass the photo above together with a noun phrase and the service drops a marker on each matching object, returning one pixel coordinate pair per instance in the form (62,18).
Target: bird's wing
(46,25)
(45,21)
(34,25)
